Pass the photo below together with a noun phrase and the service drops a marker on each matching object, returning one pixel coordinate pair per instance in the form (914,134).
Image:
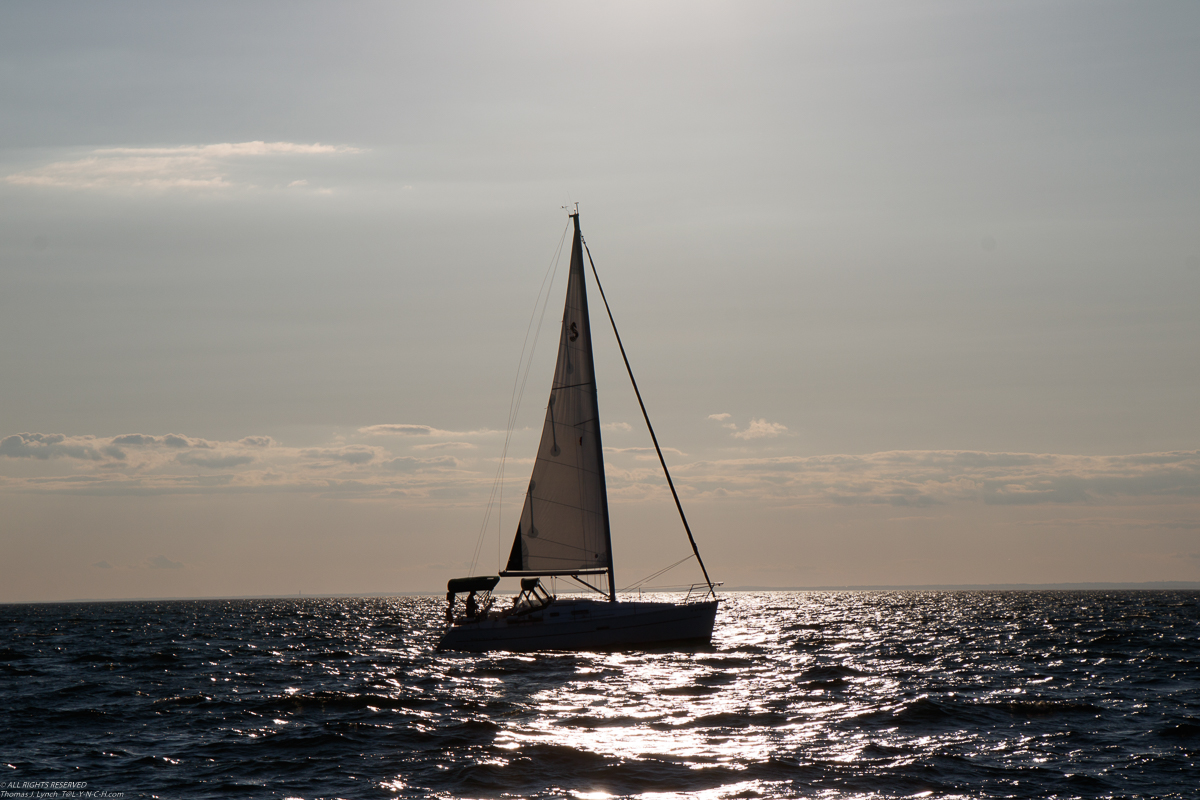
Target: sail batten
(564,522)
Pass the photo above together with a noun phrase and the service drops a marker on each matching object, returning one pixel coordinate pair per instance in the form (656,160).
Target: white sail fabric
(564,524)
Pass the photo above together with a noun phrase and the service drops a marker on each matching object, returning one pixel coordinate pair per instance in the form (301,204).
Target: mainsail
(564,523)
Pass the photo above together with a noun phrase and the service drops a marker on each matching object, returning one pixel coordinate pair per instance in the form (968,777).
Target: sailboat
(564,527)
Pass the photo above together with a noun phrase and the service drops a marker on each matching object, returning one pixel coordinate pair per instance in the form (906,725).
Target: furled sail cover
(564,524)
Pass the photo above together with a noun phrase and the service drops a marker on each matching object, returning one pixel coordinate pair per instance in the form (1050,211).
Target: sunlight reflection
(799,693)
(818,695)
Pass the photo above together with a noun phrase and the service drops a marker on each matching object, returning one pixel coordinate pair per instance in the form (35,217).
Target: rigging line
(580,580)
(515,405)
(496,497)
(646,416)
(515,408)
(651,577)
(519,388)
(551,271)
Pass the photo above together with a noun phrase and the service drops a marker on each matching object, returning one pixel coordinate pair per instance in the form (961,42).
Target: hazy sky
(912,289)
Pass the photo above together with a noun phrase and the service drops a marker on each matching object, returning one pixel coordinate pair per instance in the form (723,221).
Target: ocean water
(802,694)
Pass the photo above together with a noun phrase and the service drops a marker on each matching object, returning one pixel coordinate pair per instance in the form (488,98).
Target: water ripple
(821,694)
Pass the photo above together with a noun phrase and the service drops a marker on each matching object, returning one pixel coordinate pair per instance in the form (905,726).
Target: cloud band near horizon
(178,464)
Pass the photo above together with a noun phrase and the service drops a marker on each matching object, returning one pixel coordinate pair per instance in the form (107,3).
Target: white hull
(581,624)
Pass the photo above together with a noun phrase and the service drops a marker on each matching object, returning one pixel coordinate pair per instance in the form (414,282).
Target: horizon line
(929,587)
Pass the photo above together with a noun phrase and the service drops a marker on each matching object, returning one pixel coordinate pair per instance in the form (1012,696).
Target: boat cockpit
(533,597)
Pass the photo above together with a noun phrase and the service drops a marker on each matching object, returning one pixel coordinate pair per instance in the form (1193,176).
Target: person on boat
(472,605)
(450,597)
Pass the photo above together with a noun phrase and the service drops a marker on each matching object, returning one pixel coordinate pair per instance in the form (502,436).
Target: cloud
(163,168)
(644,452)
(399,429)
(102,565)
(131,451)
(351,454)
(214,461)
(761,429)
(257,441)
(135,440)
(51,445)
(923,478)
(408,429)
(148,464)
(112,451)
(410,464)
(724,420)
(616,426)
(410,467)
(173,440)
(229,149)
